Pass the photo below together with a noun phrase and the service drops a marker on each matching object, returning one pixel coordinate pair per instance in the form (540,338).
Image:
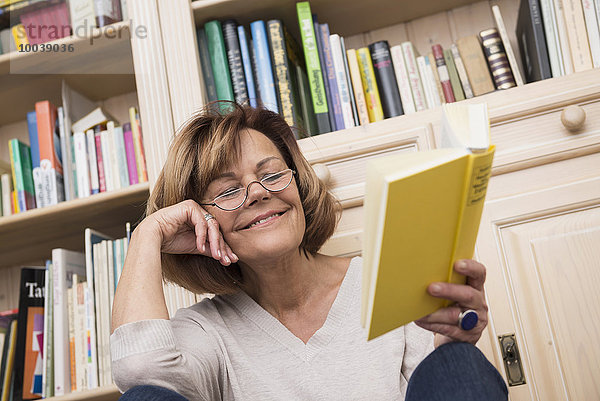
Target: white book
(47,328)
(82,16)
(563,38)
(91,368)
(551,37)
(414,76)
(82,165)
(432,82)
(108,174)
(98,290)
(121,157)
(71,314)
(111,255)
(65,263)
(124,10)
(105,311)
(408,103)
(342,83)
(591,23)
(510,55)
(91,147)
(359,93)
(80,337)
(93,118)
(462,72)
(430,96)
(112,148)
(6,182)
(350,84)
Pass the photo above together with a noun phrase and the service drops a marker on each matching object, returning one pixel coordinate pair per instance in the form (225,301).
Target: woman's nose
(256,192)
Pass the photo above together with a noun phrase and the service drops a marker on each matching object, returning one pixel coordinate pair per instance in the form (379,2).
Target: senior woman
(238,212)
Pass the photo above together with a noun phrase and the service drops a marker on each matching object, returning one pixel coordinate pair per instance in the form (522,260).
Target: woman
(237,211)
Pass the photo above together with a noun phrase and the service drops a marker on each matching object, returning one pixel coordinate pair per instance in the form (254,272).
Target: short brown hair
(201,150)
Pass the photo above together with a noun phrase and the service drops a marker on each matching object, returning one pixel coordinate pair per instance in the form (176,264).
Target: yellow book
(20,35)
(138,144)
(367,76)
(10,361)
(422,213)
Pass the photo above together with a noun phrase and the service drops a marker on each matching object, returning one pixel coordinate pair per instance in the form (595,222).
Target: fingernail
(461,265)
(203,248)
(219,253)
(227,260)
(234,256)
(435,288)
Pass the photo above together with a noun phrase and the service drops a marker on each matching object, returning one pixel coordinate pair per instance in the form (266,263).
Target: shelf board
(30,236)
(106,393)
(98,68)
(344,18)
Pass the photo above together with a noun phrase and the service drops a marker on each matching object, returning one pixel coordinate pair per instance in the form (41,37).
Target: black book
(532,41)
(386,79)
(30,335)
(234,57)
(207,72)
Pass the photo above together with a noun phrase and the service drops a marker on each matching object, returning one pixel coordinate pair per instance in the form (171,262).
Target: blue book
(318,35)
(33,139)
(329,73)
(266,83)
(247,66)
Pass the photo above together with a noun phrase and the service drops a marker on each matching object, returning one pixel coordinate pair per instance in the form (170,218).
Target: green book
(313,67)
(453,73)
(218,60)
(20,157)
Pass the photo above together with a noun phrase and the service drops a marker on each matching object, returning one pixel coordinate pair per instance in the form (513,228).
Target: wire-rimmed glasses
(234,198)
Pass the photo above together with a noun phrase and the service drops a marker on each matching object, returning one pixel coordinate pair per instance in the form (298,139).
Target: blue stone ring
(468,319)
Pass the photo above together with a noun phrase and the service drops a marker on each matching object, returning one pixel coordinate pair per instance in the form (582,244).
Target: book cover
(107,12)
(206,65)
(8,360)
(92,161)
(247,63)
(264,67)
(82,165)
(19,35)
(475,64)
(532,42)
(6,182)
(431,95)
(453,74)
(130,154)
(138,143)
(446,191)
(35,159)
(512,61)
(297,74)
(496,58)
(431,65)
(414,76)
(444,76)
(462,72)
(349,82)
(20,157)
(112,152)
(326,83)
(65,139)
(308,113)
(106,160)
(313,66)
(99,157)
(82,15)
(329,75)
(50,152)
(408,103)
(48,345)
(218,60)
(367,76)
(30,335)
(359,93)
(385,78)
(561,27)
(121,157)
(95,117)
(343,86)
(234,58)
(551,35)
(593,33)
(65,263)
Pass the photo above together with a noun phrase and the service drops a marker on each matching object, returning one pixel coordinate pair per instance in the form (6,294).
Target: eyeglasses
(234,198)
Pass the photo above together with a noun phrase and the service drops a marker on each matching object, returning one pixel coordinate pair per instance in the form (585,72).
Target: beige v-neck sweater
(230,348)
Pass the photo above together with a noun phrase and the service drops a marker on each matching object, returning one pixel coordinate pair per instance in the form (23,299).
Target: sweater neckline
(276,330)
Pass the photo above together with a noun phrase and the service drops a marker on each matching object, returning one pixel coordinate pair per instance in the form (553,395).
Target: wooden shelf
(30,236)
(107,393)
(100,66)
(344,17)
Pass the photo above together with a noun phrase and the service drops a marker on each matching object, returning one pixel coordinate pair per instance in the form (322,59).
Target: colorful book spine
(247,63)
(121,157)
(426,72)
(6,182)
(108,173)
(82,165)
(138,142)
(349,81)
(308,113)
(65,143)
(359,93)
(339,67)
(442,69)
(331,77)
(20,160)
(416,82)
(508,48)
(475,64)
(386,79)
(408,103)
(496,58)
(112,151)
(462,72)
(218,60)
(534,50)
(264,68)
(35,159)
(436,78)
(93,162)
(234,58)
(130,154)
(100,158)
(313,66)
(205,63)
(19,35)
(50,157)
(326,83)
(367,76)
(457,89)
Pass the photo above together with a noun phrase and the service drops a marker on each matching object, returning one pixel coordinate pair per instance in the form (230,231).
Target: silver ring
(208,216)
(468,319)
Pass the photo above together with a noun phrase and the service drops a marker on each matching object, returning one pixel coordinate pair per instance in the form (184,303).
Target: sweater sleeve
(176,354)
(419,344)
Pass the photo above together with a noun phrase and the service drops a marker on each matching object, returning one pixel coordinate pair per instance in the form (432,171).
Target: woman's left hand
(444,322)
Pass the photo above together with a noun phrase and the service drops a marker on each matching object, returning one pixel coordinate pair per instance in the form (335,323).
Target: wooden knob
(573,117)
(322,171)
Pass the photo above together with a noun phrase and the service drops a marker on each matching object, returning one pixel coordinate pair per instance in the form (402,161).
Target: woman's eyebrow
(261,163)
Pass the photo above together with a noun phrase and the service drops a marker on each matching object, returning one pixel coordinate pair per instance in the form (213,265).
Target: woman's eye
(272,177)
(230,193)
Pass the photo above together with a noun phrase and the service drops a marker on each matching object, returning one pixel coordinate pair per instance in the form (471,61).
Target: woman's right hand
(184,230)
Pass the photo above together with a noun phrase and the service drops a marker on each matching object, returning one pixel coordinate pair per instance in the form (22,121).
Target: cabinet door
(540,241)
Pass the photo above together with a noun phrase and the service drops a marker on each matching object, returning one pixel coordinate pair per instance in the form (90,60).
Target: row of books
(99,156)
(36,22)
(558,37)
(59,342)
(347,87)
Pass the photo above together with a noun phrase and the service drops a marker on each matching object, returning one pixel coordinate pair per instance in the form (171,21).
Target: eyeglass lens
(273,183)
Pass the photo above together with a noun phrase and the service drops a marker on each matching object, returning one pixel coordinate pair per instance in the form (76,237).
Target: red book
(46,24)
(438,54)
